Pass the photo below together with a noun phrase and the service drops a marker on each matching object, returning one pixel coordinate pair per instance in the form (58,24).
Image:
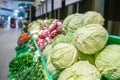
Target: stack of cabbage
(82,54)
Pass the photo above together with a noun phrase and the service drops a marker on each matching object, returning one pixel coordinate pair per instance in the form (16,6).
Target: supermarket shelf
(113,39)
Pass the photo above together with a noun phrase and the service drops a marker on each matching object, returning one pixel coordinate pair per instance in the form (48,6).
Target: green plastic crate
(22,51)
(43,61)
(113,39)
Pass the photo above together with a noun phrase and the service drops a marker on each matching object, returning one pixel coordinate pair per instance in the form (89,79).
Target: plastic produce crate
(43,61)
(112,40)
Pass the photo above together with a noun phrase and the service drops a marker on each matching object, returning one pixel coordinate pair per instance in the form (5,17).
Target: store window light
(43,0)
(16,13)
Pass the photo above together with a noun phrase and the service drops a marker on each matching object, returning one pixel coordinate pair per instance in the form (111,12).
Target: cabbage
(72,22)
(107,62)
(90,39)
(75,21)
(81,70)
(63,38)
(92,17)
(69,36)
(58,39)
(63,55)
(47,54)
(47,51)
(51,67)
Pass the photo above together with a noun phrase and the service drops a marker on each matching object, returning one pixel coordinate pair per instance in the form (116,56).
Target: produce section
(78,49)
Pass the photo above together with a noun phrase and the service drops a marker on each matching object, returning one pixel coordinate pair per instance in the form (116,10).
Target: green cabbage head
(47,51)
(54,72)
(75,21)
(72,22)
(64,55)
(81,70)
(90,39)
(51,67)
(108,62)
(58,39)
(92,17)
(63,38)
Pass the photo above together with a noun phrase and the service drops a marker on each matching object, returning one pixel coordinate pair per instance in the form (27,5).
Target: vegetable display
(78,49)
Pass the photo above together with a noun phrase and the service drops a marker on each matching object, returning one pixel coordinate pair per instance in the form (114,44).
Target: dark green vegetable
(25,68)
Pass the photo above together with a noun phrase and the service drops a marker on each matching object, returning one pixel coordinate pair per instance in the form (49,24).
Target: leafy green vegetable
(107,62)
(69,36)
(90,39)
(31,45)
(72,22)
(21,46)
(24,60)
(75,21)
(92,17)
(81,70)
(64,55)
(47,51)
(63,38)
(58,39)
(25,68)
(51,68)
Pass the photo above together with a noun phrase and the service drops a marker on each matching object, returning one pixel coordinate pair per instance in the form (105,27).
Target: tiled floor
(8,42)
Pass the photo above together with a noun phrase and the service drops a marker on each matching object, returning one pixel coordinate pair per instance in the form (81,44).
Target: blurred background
(20,11)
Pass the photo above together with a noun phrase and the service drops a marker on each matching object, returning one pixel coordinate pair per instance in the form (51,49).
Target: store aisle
(8,42)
